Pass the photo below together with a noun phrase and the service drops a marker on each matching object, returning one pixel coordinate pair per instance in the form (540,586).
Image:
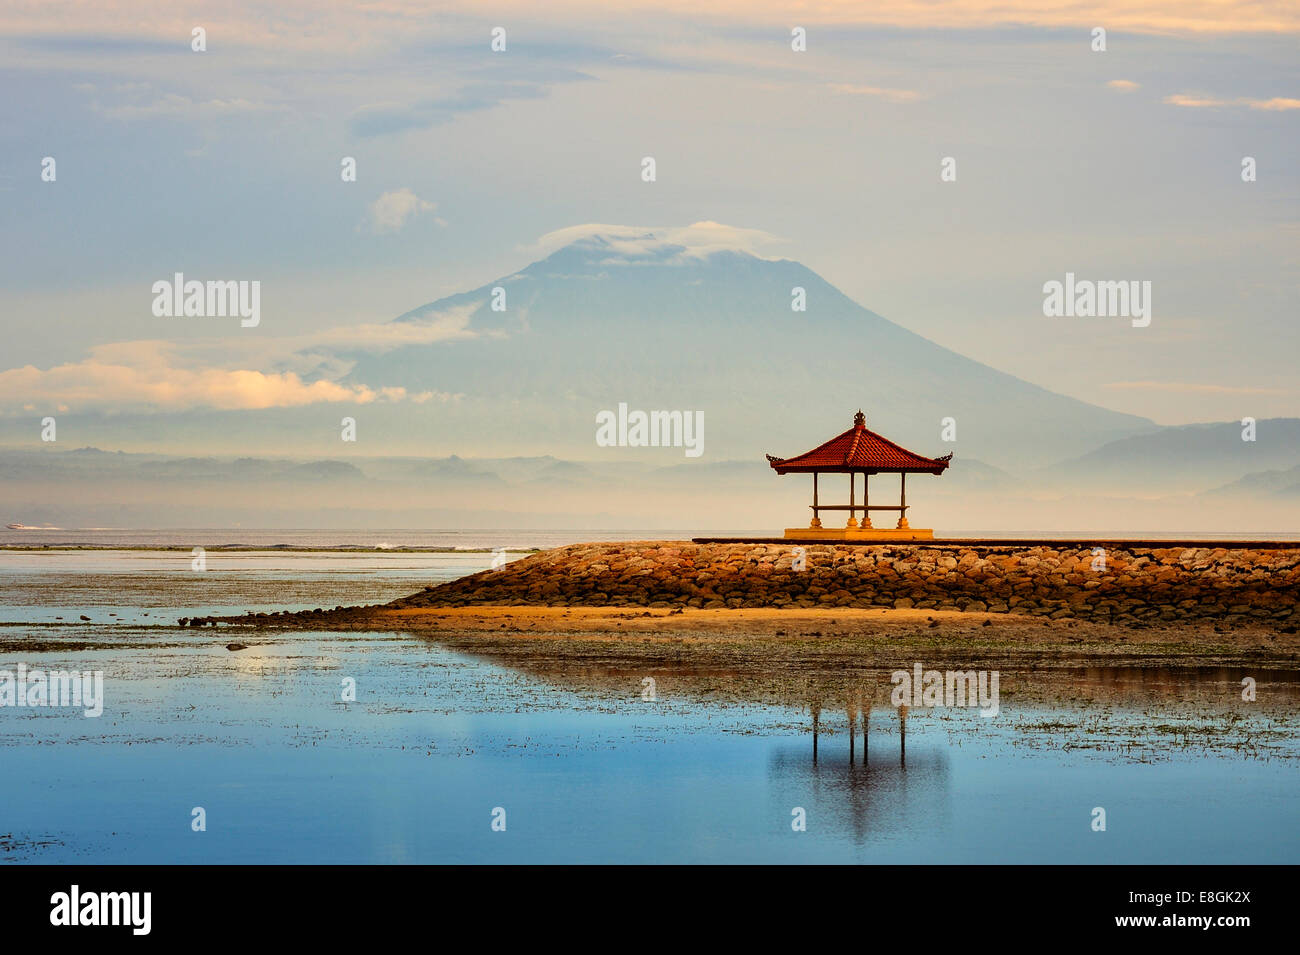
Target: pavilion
(859,451)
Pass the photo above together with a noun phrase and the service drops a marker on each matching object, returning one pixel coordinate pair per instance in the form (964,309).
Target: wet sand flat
(759,639)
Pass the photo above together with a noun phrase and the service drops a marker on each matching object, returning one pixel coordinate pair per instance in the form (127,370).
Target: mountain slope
(603,321)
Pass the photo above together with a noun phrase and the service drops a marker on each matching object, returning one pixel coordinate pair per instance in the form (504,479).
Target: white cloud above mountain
(629,244)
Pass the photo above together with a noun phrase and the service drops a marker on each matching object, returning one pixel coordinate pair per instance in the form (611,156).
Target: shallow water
(585,770)
(148,587)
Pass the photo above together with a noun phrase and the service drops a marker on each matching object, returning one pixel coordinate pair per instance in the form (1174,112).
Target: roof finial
(859,419)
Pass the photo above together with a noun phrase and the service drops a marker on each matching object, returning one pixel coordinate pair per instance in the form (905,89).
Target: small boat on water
(29,527)
(17,527)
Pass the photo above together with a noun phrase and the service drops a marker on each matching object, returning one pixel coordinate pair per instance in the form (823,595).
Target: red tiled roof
(860,450)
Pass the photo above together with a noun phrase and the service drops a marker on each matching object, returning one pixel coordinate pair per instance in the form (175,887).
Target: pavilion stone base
(859,534)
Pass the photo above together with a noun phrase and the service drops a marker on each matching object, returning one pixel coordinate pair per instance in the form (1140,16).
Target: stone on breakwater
(1167,583)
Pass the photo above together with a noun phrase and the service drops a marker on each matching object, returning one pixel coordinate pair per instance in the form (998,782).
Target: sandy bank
(761,639)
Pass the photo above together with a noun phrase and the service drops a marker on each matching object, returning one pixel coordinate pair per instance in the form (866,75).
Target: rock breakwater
(1121,585)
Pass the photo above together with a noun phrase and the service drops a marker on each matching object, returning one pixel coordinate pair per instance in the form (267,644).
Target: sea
(390,747)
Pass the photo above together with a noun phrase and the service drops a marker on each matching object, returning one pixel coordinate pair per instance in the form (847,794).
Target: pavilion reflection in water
(869,784)
(853,709)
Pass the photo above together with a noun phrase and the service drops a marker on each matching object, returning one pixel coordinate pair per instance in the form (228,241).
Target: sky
(1122,164)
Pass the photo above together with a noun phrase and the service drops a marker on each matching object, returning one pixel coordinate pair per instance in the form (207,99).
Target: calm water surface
(436,740)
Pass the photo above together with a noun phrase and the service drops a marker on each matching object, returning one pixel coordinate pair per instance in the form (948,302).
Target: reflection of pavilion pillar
(816,717)
(866,720)
(851,709)
(902,736)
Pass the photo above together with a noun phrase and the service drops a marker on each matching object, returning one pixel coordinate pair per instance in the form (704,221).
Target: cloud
(1192,388)
(1276,103)
(326,353)
(628,244)
(134,100)
(1193,100)
(309,24)
(173,104)
(177,376)
(893,95)
(1156,16)
(113,379)
(390,212)
(1124,86)
(381,119)
(450,324)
